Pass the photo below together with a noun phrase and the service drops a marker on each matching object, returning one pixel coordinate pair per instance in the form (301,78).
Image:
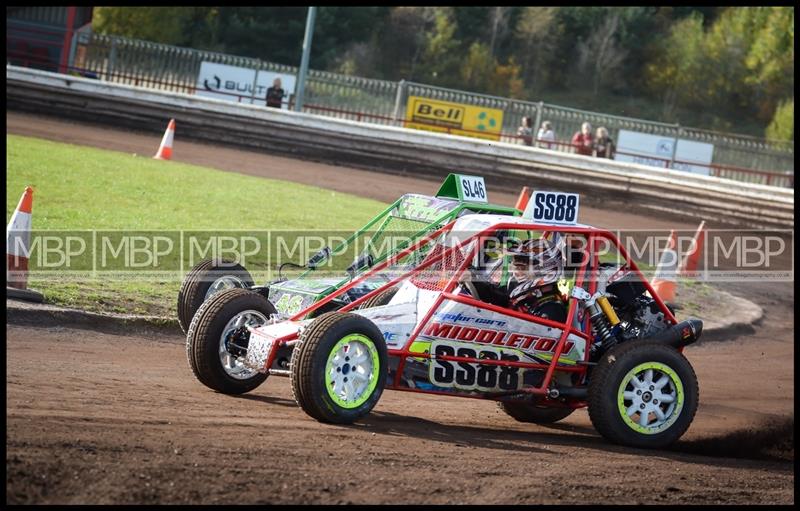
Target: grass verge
(79,188)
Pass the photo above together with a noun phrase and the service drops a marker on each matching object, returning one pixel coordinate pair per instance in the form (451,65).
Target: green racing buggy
(406,219)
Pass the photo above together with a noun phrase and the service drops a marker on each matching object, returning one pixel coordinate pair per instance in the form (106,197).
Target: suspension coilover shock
(604,323)
(602,330)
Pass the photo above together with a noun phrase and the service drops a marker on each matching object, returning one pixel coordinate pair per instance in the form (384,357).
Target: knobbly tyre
(618,352)
(408,218)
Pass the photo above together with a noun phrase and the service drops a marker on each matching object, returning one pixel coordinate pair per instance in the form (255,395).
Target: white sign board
(472,188)
(232,83)
(656,150)
(553,208)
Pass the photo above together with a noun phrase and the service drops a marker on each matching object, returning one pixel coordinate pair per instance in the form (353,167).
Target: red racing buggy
(618,352)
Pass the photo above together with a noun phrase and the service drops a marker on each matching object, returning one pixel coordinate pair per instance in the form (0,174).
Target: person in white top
(546,135)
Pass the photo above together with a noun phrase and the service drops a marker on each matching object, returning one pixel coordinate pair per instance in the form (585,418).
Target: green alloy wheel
(643,394)
(338,369)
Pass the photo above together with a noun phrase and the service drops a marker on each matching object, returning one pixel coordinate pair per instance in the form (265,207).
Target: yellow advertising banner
(456,118)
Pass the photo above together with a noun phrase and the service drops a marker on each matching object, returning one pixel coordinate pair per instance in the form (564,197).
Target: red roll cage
(594,237)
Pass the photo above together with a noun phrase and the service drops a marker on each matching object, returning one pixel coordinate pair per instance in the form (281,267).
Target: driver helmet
(538,261)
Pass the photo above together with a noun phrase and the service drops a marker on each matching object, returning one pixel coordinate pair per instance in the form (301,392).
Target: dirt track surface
(96,418)
(100,418)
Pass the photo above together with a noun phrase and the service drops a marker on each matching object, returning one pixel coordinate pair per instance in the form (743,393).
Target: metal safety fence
(170,68)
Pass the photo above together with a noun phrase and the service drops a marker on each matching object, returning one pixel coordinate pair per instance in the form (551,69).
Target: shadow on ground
(771,440)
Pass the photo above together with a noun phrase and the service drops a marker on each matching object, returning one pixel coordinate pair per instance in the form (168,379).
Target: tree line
(733,64)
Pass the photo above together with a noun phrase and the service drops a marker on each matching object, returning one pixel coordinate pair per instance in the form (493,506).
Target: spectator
(603,145)
(546,134)
(582,140)
(525,131)
(275,94)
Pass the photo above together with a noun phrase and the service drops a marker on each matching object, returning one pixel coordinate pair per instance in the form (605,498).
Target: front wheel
(338,369)
(643,394)
(218,335)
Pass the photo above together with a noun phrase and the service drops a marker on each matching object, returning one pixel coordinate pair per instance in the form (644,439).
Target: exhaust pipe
(680,335)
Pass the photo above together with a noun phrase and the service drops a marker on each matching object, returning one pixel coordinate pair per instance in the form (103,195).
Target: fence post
(73,47)
(112,60)
(398,99)
(674,146)
(255,82)
(537,124)
(300,86)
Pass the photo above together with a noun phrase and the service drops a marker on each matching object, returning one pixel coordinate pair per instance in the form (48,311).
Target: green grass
(81,188)
(78,187)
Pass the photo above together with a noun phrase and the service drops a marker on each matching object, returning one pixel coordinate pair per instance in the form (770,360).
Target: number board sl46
(472,188)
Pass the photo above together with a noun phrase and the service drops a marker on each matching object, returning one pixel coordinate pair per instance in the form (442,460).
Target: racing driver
(536,267)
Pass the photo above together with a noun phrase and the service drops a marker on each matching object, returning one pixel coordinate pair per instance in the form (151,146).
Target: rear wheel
(643,394)
(527,412)
(381,298)
(215,333)
(203,281)
(338,369)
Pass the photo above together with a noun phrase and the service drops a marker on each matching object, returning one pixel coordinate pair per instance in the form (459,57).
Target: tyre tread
(603,417)
(302,365)
(526,412)
(200,334)
(381,298)
(190,296)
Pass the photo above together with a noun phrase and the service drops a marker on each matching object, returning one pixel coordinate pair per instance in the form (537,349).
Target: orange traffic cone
(689,266)
(664,283)
(18,244)
(165,149)
(524,197)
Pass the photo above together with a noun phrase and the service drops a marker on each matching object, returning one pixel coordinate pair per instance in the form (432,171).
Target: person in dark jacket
(603,145)
(275,94)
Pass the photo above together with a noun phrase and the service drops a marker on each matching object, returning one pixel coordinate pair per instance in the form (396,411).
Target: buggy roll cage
(382,219)
(594,236)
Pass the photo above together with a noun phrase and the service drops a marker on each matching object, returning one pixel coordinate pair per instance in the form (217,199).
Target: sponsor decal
(240,84)
(424,209)
(531,344)
(458,317)
(469,376)
(657,151)
(289,304)
(456,118)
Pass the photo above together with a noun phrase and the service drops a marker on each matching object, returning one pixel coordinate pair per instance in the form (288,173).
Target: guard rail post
(671,163)
(398,99)
(538,123)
